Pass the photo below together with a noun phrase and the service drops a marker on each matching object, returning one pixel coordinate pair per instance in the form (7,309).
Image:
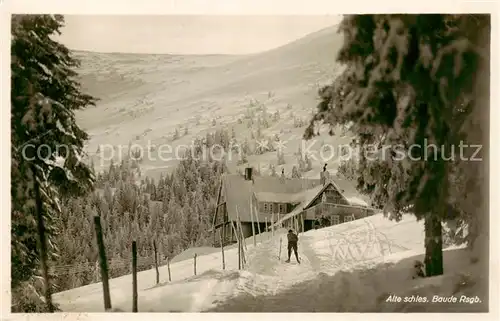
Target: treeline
(176,211)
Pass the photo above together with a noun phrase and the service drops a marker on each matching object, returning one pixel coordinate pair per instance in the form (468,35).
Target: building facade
(248,204)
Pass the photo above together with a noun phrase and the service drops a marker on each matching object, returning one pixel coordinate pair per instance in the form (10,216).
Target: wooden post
(232,232)
(42,241)
(239,228)
(223,231)
(243,242)
(103,263)
(256,211)
(266,228)
(239,253)
(273,222)
(222,249)
(279,254)
(243,245)
(168,267)
(195,255)
(258,224)
(134,276)
(156,263)
(239,244)
(253,227)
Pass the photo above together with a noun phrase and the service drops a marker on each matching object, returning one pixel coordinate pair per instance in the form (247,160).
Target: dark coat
(292,238)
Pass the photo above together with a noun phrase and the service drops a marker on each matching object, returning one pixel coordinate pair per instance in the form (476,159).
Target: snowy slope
(144,98)
(361,243)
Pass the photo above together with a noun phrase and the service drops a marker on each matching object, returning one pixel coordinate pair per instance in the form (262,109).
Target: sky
(187,34)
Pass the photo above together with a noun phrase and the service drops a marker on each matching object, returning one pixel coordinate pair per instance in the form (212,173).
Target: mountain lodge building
(298,203)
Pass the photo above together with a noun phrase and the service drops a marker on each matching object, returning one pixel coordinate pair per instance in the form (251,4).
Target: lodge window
(268,207)
(282,208)
(348,218)
(335,219)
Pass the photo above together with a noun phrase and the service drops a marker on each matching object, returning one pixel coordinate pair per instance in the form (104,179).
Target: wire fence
(113,264)
(149,261)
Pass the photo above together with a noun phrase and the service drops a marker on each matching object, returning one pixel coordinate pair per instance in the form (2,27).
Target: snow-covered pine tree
(276,116)
(44,97)
(308,163)
(273,171)
(281,157)
(176,134)
(418,82)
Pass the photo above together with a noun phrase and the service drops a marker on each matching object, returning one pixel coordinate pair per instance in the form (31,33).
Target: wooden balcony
(328,209)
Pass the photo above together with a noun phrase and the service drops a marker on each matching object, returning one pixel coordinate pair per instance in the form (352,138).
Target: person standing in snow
(293,240)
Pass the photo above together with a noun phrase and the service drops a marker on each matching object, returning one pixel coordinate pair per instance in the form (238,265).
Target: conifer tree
(44,96)
(411,80)
(273,171)
(296,172)
(281,157)
(176,134)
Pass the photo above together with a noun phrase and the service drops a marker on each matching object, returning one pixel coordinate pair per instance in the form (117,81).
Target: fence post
(103,263)
(243,245)
(237,234)
(134,276)
(156,262)
(168,267)
(195,263)
(256,212)
(253,227)
(222,249)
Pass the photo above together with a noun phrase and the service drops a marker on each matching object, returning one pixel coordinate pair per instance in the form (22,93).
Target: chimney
(248,173)
(322,176)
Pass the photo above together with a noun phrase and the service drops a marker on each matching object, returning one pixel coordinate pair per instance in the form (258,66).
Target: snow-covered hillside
(360,260)
(145,98)
(355,266)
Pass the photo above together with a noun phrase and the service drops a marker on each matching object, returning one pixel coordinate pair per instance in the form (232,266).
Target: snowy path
(263,261)
(324,252)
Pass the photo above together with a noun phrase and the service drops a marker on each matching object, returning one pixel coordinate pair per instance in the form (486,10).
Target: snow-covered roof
(346,189)
(239,193)
(357,201)
(279,197)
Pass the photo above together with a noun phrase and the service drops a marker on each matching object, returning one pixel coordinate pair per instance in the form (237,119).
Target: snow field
(324,252)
